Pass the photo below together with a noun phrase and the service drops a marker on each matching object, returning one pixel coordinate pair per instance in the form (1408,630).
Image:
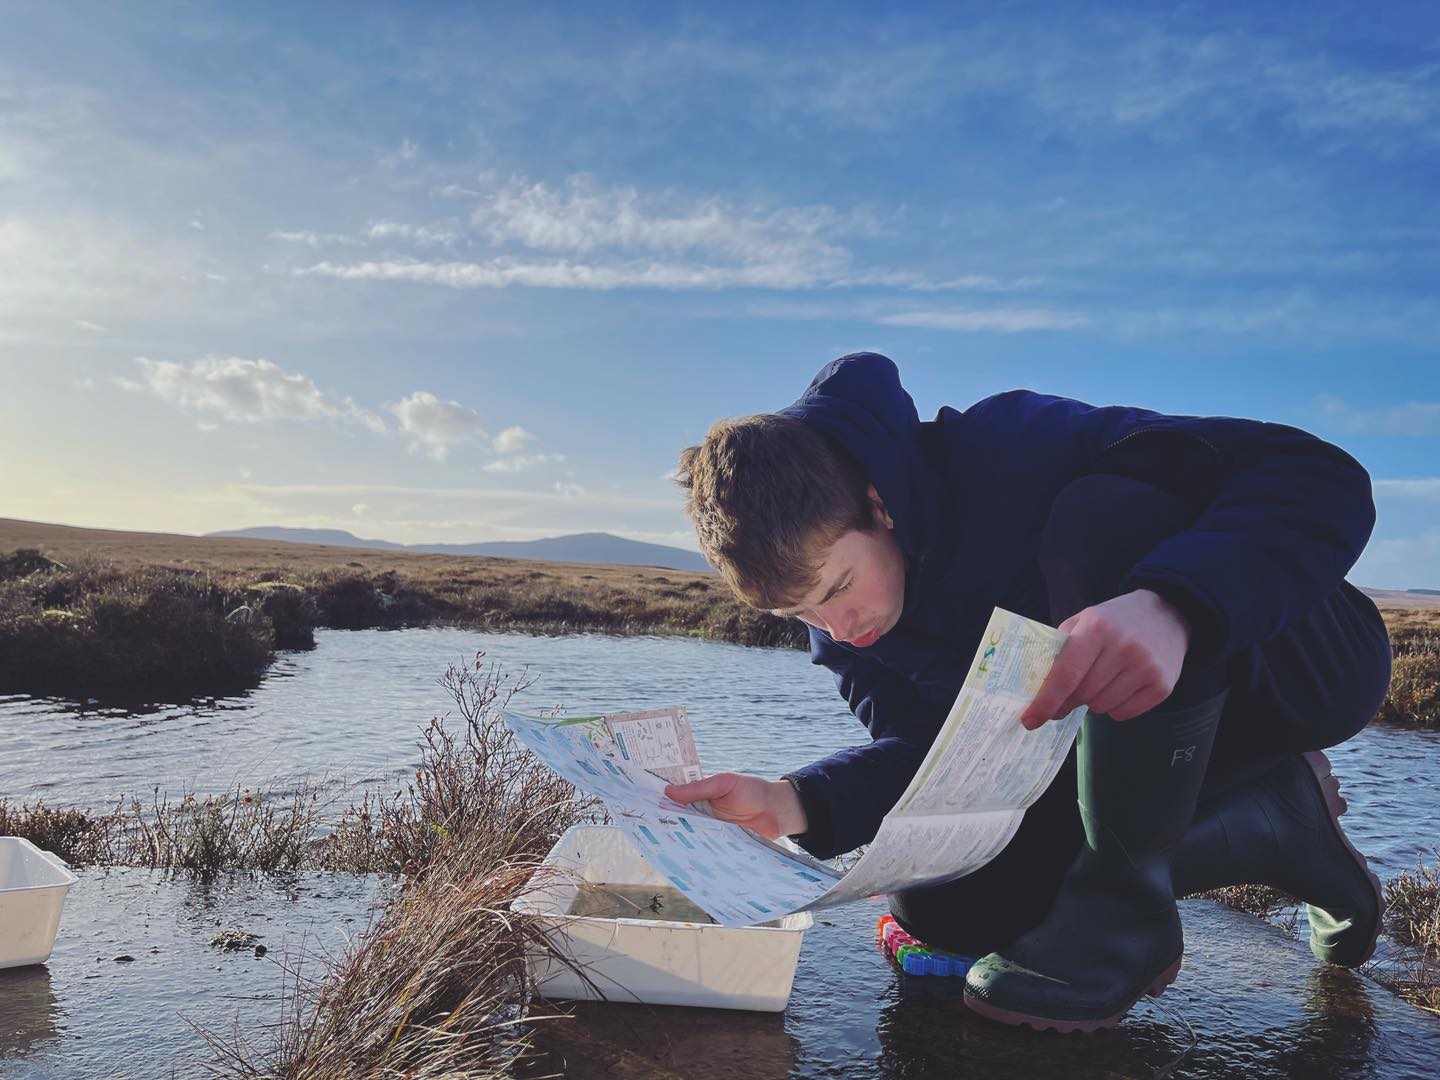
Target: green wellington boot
(1114,933)
(1283,829)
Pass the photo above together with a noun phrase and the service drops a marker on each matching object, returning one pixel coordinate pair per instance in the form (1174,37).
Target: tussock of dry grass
(1414,695)
(436,987)
(478,781)
(1413,918)
(241,830)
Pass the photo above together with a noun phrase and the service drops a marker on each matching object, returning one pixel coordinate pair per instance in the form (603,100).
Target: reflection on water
(1257,1004)
(87,1015)
(608,1040)
(29,1014)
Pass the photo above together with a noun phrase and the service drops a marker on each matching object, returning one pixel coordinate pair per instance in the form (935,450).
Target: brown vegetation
(163,599)
(1414,695)
(92,629)
(1413,918)
(476,780)
(437,985)
(124,617)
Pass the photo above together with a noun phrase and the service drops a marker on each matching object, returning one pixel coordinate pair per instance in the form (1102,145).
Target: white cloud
(407,153)
(84,382)
(360,509)
(1410,418)
(561,274)
(521,462)
(586,217)
(1407,562)
(511,440)
(244,391)
(1000,320)
(94,328)
(585,236)
(313,239)
(436,427)
(424,235)
(568,489)
(1420,487)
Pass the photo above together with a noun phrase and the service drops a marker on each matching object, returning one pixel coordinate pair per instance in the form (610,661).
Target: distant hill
(595,547)
(1415,598)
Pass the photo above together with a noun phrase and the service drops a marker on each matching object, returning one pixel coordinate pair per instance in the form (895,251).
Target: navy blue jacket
(1282,516)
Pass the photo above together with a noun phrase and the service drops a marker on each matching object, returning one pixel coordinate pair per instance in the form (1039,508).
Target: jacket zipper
(1179,431)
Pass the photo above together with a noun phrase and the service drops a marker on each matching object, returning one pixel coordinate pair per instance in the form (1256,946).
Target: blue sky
(464,272)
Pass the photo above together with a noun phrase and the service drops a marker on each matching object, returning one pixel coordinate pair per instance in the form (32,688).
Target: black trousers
(1315,685)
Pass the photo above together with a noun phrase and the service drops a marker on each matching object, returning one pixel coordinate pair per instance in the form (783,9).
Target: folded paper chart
(961,809)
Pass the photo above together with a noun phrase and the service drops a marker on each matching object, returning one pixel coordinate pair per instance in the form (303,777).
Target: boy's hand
(768,807)
(1122,659)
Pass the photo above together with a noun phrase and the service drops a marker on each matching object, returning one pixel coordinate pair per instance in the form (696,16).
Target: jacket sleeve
(1281,516)
(848,794)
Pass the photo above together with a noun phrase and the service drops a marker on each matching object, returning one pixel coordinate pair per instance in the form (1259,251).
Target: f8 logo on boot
(1186,754)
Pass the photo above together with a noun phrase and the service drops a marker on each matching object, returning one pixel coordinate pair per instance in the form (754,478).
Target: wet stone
(233,940)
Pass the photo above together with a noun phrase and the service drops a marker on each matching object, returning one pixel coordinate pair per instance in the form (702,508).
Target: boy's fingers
(711,787)
(1071,665)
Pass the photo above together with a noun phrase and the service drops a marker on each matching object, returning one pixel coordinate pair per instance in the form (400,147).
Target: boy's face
(861,591)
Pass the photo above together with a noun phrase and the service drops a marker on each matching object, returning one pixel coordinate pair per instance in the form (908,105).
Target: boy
(1197,565)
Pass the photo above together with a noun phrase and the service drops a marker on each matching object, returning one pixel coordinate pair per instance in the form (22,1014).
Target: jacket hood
(858,401)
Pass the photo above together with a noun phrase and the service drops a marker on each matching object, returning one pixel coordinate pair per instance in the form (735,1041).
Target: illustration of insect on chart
(960,810)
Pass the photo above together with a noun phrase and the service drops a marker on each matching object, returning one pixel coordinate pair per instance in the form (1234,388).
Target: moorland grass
(436,986)
(1414,695)
(123,633)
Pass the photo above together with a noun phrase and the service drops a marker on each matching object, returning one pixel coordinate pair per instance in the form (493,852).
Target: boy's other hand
(1123,658)
(768,807)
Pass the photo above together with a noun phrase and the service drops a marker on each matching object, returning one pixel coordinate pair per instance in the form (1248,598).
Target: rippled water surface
(350,712)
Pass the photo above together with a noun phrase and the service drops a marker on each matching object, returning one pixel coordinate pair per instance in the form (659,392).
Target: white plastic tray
(644,960)
(33,884)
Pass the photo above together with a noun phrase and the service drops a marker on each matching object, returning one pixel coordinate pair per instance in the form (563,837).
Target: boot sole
(1066,1027)
(1336,804)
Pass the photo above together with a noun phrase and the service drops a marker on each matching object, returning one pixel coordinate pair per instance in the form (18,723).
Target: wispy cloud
(1094,78)
(1419,487)
(585,217)
(313,239)
(504,272)
(1411,418)
(373,492)
(1403,562)
(585,236)
(436,235)
(520,462)
(999,320)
